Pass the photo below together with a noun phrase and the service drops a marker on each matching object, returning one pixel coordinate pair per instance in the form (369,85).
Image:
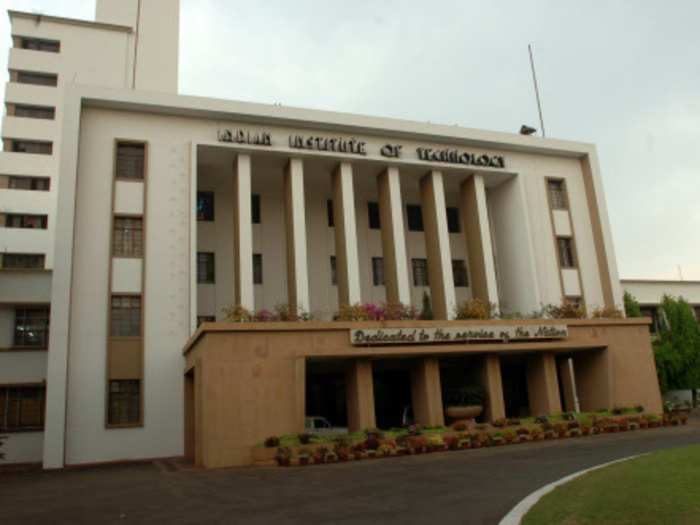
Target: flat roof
(38,17)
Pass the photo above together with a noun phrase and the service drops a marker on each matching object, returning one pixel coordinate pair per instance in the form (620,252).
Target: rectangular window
(255,208)
(557,195)
(39,79)
(17,220)
(566,253)
(126,316)
(32,146)
(205,267)
(205,319)
(23,260)
(334,275)
(130,160)
(459,271)
(45,112)
(329,212)
(378,271)
(127,240)
(124,402)
(31,326)
(373,212)
(420,272)
(205,205)
(40,44)
(453,219)
(415,217)
(257,268)
(20,182)
(22,408)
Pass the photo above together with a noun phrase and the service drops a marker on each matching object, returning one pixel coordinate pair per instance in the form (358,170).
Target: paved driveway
(471,486)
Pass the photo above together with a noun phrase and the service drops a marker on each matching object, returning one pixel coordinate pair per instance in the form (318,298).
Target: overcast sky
(624,75)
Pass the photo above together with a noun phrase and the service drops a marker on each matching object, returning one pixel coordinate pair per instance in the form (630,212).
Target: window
(126,316)
(415,218)
(127,240)
(420,272)
(23,260)
(40,79)
(31,326)
(130,160)
(329,212)
(32,146)
(566,253)
(34,111)
(40,44)
(373,211)
(653,313)
(205,319)
(453,219)
(574,300)
(334,275)
(205,205)
(378,271)
(124,402)
(16,220)
(257,268)
(557,195)
(19,182)
(459,271)
(255,208)
(22,408)
(205,267)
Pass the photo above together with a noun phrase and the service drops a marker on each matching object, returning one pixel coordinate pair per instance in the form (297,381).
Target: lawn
(661,487)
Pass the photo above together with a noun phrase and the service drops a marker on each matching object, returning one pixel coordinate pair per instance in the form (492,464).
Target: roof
(38,17)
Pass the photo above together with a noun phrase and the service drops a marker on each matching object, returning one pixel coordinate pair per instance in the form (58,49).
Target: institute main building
(130,215)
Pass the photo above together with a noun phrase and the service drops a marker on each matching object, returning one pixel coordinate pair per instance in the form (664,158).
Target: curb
(517,513)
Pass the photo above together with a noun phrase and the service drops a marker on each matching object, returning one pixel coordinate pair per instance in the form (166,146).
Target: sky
(623,75)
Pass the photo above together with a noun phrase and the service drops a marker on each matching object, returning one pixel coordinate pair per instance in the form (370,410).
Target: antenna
(680,273)
(537,91)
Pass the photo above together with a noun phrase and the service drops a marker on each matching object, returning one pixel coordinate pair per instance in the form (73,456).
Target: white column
(295,215)
(347,261)
(393,237)
(437,245)
(243,233)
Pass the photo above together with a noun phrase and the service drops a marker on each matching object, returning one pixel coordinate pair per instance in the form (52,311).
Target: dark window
(205,205)
(23,260)
(19,182)
(415,217)
(373,211)
(124,402)
(574,300)
(32,146)
(17,220)
(378,271)
(255,209)
(459,271)
(420,272)
(653,312)
(128,237)
(32,326)
(40,44)
(334,275)
(39,79)
(329,211)
(566,253)
(257,268)
(130,160)
(557,196)
(205,319)
(453,219)
(22,408)
(126,316)
(34,111)
(205,267)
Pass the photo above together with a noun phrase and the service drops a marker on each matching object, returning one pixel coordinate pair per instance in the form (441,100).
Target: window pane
(255,209)
(124,405)
(205,267)
(257,268)
(23,260)
(127,240)
(329,211)
(18,182)
(378,271)
(459,271)
(205,206)
(32,326)
(22,408)
(40,79)
(415,217)
(420,272)
(373,211)
(130,160)
(126,316)
(453,219)
(334,276)
(32,146)
(556,194)
(34,111)
(566,255)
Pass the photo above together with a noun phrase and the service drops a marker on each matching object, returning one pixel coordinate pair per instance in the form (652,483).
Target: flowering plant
(473,309)
(376,312)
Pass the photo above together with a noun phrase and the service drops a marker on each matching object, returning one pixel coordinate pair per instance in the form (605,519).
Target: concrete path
(471,486)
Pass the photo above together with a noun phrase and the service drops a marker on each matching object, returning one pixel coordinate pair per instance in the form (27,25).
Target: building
(150,211)
(649,293)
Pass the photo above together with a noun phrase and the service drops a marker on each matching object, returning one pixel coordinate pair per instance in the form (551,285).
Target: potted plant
(320,455)
(385,450)
(523,433)
(510,436)
(536,434)
(562,428)
(284,456)
(271,442)
(330,457)
(497,439)
(436,444)
(465,403)
(304,456)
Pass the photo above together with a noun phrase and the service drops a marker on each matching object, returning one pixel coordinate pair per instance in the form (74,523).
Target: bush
(304,438)
(371,444)
(376,312)
(284,455)
(512,422)
(567,310)
(541,419)
(237,314)
(569,416)
(606,312)
(473,309)
(459,426)
(631,306)
(272,441)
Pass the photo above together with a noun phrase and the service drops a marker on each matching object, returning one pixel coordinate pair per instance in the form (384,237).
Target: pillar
(568,384)
(426,394)
(243,233)
(477,232)
(593,380)
(437,245)
(492,382)
(542,385)
(393,238)
(347,261)
(295,222)
(359,388)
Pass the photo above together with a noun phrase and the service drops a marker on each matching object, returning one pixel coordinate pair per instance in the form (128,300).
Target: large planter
(464,412)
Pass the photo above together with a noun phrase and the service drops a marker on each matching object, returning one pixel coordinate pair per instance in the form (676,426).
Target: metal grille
(124,402)
(32,326)
(127,240)
(22,260)
(459,271)
(22,408)
(205,267)
(130,161)
(378,271)
(420,272)
(557,195)
(126,315)
(257,268)
(566,254)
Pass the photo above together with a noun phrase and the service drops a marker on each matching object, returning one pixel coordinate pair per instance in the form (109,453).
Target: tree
(631,306)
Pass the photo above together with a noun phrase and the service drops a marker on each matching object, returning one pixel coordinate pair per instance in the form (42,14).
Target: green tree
(631,306)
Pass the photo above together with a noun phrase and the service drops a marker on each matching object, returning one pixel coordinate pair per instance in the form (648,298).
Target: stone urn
(464,412)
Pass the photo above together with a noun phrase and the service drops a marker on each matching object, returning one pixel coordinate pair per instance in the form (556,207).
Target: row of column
(473,212)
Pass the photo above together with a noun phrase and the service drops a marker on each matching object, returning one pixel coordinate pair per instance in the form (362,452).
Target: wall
(651,292)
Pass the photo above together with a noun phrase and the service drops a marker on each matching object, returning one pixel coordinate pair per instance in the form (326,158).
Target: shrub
(569,416)
(284,455)
(286,312)
(473,309)
(459,426)
(305,438)
(522,431)
(371,444)
(512,422)
(304,452)
(631,306)
(452,442)
(376,312)
(639,408)
(499,422)
(415,430)
(567,310)
(321,453)
(426,310)
(237,314)
(606,312)
(272,441)
(541,419)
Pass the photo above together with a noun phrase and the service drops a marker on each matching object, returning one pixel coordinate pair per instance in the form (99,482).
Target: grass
(662,487)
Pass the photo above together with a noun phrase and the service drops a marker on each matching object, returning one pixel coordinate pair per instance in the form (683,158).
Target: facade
(157,210)
(649,293)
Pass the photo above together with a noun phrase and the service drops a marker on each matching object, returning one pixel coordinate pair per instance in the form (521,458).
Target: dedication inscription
(457,334)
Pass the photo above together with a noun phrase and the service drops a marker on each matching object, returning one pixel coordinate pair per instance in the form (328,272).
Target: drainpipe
(577,407)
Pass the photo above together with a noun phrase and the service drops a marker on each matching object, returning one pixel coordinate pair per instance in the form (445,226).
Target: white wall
(23,447)
(651,292)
